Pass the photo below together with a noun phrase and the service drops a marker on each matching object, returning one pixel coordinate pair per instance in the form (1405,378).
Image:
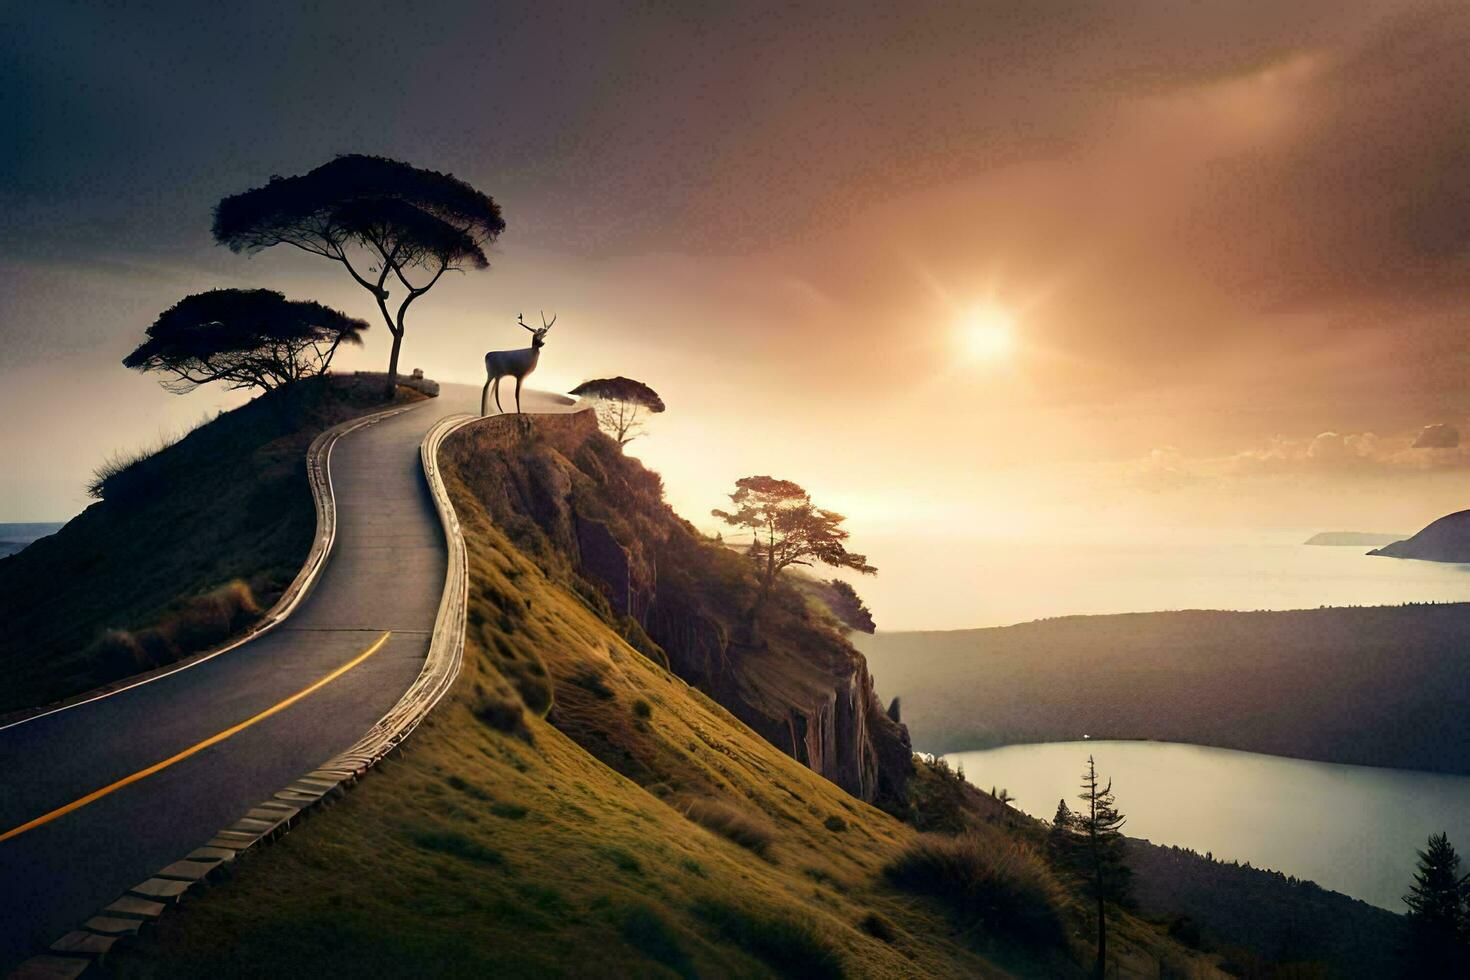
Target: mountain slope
(574,808)
(1380,686)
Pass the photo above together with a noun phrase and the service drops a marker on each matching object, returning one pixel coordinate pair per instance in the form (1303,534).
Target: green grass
(191,542)
(1000,884)
(602,872)
(792,947)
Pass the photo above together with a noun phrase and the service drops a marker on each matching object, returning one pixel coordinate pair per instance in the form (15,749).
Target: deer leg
(485,396)
(518,394)
(496,392)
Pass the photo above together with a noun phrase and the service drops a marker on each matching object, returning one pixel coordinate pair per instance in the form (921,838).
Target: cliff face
(590,516)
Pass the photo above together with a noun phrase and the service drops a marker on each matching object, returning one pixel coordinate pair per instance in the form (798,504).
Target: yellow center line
(279,706)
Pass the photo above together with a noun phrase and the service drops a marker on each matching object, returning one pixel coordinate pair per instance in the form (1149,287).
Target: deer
(513,363)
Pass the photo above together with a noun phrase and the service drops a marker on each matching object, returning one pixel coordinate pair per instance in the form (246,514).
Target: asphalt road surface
(377,596)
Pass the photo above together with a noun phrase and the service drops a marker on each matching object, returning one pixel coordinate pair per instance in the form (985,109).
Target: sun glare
(987,333)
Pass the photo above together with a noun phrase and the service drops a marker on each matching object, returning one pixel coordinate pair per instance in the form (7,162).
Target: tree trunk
(1100,970)
(392,391)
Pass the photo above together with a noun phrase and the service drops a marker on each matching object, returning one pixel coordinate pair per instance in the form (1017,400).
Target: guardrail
(446,647)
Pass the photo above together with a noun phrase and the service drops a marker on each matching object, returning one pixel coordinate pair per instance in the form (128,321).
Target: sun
(987,333)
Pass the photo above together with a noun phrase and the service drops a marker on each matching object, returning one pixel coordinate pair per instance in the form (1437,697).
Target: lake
(1352,829)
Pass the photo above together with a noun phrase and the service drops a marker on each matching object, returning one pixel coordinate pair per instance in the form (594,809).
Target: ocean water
(15,537)
(967,582)
(1352,829)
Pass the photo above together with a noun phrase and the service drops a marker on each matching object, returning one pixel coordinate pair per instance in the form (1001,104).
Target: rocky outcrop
(568,497)
(1447,539)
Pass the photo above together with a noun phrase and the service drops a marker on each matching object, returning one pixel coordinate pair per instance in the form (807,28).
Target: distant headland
(1447,539)
(1353,539)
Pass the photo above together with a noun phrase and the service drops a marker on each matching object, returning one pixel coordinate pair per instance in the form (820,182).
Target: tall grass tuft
(189,626)
(1001,885)
(790,945)
(745,829)
(126,473)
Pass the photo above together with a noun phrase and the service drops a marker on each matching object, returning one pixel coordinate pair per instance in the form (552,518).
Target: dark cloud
(604,127)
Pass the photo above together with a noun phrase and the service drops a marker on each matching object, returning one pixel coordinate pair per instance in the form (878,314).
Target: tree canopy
(621,404)
(1438,917)
(849,607)
(787,529)
(381,219)
(245,338)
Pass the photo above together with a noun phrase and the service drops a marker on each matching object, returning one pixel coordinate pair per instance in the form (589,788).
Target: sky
(971,273)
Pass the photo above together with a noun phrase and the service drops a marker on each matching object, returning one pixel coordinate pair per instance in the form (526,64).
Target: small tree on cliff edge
(787,530)
(1437,914)
(380,218)
(621,405)
(1099,853)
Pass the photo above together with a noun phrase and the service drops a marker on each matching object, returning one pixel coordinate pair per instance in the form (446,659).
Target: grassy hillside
(595,522)
(187,548)
(573,808)
(1383,686)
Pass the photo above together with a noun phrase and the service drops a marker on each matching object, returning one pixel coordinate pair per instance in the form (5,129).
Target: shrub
(591,681)
(788,944)
(642,708)
(835,824)
(458,845)
(209,619)
(623,860)
(1001,885)
(189,626)
(503,713)
(878,927)
(120,654)
(646,931)
(509,811)
(748,831)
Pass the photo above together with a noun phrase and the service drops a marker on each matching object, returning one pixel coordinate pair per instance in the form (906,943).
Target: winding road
(96,797)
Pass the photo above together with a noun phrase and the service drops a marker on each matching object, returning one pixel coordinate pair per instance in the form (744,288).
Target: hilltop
(186,548)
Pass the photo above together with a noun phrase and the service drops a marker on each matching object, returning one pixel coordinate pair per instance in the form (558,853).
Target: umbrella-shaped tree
(395,228)
(787,529)
(622,405)
(244,338)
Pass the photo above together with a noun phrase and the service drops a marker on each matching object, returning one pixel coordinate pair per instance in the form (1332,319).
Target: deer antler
(522,322)
(544,324)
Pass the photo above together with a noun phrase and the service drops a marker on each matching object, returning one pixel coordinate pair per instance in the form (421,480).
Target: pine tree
(1059,839)
(1100,859)
(1437,911)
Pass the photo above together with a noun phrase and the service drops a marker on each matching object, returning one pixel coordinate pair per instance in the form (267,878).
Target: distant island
(1352,539)
(1447,539)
